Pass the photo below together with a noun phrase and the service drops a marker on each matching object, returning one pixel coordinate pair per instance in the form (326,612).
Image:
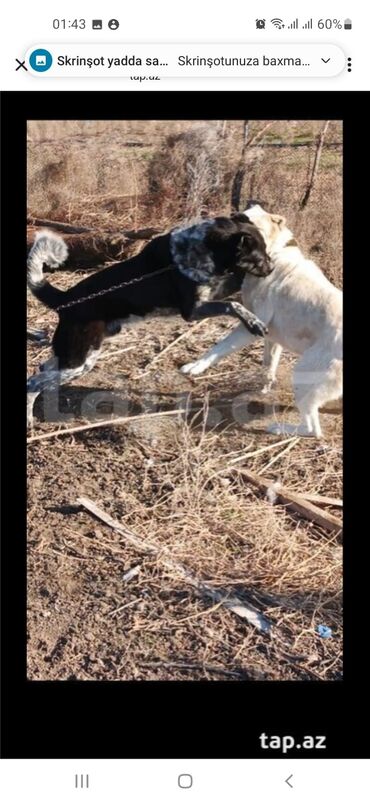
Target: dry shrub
(91,180)
(117,174)
(278,177)
(186,174)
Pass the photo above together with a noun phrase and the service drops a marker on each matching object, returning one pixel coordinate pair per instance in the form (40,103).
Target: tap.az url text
(287,742)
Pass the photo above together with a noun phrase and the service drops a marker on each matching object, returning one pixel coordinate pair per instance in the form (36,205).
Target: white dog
(303,313)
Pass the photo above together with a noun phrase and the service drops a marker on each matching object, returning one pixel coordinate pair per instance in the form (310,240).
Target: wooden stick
(261,450)
(295,502)
(199,615)
(66,227)
(171,345)
(324,500)
(193,667)
(278,456)
(232,603)
(142,233)
(97,424)
(112,352)
(299,669)
(245,456)
(123,607)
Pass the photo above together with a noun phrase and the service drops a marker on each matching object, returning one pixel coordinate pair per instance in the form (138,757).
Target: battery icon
(347,24)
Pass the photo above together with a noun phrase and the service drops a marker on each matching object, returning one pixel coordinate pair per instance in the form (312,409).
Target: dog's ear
(253,202)
(277,218)
(239,217)
(190,253)
(245,246)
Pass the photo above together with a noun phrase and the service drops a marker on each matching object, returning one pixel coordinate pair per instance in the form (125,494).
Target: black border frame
(85,719)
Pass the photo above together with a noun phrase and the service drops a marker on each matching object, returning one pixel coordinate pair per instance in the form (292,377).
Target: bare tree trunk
(221,128)
(238,180)
(245,136)
(315,166)
(236,188)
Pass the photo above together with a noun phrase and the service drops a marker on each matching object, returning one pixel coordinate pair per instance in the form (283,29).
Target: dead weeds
(98,609)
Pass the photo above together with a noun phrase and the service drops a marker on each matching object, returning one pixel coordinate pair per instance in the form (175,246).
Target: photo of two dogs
(286,299)
(183,400)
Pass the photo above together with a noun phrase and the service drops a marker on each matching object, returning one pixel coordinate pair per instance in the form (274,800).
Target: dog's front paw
(37,335)
(290,428)
(193,368)
(30,421)
(277,428)
(256,327)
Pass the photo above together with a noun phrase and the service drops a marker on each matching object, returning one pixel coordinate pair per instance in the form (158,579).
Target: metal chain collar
(111,289)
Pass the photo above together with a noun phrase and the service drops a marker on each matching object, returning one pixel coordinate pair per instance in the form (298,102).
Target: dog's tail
(49,249)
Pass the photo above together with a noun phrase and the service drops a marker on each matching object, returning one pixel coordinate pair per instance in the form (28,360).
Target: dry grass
(169,480)
(134,174)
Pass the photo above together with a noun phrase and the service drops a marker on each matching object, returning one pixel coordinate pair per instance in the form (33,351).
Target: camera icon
(260,23)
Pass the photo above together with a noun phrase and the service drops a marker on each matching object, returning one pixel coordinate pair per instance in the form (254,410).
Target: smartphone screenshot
(181,213)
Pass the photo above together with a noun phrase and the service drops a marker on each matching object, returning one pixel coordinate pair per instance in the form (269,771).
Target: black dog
(186,271)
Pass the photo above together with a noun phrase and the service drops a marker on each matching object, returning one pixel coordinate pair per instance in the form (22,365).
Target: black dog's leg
(233,309)
(37,335)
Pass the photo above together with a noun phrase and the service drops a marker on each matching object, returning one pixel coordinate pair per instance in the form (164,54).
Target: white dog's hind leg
(309,426)
(304,429)
(271,359)
(313,386)
(237,339)
(326,386)
(317,380)
(312,422)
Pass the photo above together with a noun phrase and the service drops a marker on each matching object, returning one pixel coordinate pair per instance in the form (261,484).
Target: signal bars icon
(308,24)
(294,24)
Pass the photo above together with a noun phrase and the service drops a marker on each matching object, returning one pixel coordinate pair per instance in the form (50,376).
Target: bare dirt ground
(98,609)
(157,476)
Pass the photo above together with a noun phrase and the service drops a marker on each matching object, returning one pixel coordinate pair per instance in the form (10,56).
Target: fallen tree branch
(92,248)
(294,501)
(234,604)
(141,233)
(324,500)
(262,450)
(97,424)
(66,227)
(247,455)
(279,455)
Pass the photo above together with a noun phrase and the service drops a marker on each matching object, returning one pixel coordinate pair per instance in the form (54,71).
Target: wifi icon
(278,23)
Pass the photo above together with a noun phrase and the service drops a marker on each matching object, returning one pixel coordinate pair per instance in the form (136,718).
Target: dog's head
(273,227)
(219,246)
